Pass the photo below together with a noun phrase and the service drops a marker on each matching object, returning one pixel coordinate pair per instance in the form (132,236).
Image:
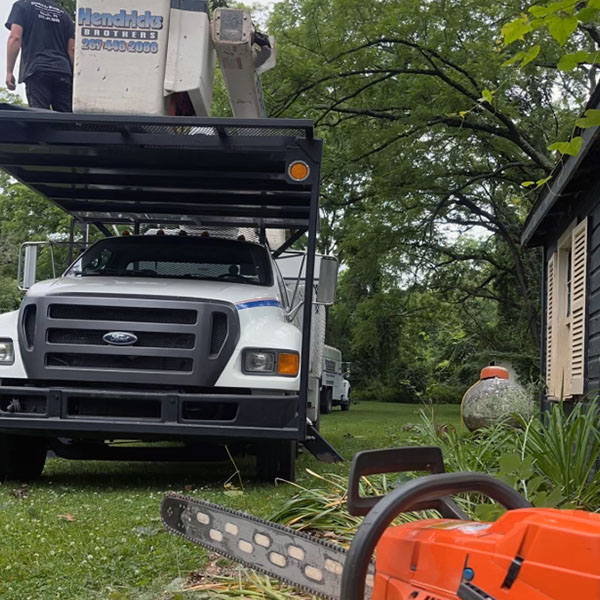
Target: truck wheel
(346,404)
(21,457)
(326,401)
(276,459)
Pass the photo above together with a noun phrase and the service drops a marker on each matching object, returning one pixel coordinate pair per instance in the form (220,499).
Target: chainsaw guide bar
(291,556)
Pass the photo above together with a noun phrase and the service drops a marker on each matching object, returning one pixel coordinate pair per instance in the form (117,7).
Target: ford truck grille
(29,325)
(181,342)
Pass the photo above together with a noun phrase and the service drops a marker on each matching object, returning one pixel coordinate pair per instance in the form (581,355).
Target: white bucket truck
(183,330)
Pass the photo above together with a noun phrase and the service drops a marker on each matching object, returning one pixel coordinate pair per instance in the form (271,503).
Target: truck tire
(326,400)
(22,458)
(346,404)
(275,460)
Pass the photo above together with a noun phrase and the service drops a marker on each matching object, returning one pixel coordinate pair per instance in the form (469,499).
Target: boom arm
(244,54)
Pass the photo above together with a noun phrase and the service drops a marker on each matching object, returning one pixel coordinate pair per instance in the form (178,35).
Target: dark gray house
(565,222)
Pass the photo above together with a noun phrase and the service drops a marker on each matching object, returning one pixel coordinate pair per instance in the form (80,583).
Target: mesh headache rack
(178,170)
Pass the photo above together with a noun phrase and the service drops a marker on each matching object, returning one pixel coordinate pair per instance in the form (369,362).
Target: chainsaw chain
(202,504)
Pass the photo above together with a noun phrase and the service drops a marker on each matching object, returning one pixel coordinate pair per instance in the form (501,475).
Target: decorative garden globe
(493,399)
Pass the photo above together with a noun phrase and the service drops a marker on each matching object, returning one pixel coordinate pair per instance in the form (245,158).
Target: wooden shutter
(551,324)
(578,296)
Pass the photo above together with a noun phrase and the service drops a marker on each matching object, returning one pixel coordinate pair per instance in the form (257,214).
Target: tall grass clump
(321,510)
(553,459)
(565,450)
(464,450)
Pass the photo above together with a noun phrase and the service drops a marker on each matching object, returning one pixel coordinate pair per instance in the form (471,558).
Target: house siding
(592,378)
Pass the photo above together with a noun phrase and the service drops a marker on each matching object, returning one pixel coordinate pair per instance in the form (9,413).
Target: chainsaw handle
(397,460)
(405,498)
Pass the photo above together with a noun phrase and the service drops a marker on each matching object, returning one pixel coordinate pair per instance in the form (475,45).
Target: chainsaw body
(527,554)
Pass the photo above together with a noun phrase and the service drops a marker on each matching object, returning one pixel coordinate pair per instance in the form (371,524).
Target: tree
(428,140)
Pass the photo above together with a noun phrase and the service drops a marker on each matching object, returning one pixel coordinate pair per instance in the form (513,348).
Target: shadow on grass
(102,475)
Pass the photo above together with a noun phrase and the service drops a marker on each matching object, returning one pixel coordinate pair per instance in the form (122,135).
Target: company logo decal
(119,32)
(120,338)
(122,19)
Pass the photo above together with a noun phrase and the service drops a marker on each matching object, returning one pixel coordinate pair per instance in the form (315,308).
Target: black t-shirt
(47,30)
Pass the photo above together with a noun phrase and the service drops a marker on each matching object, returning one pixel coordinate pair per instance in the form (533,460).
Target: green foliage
(10,296)
(565,452)
(571,147)
(530,55)
(551,460)
(320,507)
(445,393)
(568,62)
(25,216)
(463,450)
(516,30)
(591,118)
(402,392)
(559,20)
(566,35)
(8,97)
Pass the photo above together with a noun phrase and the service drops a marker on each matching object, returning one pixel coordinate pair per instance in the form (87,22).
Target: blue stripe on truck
(257,303)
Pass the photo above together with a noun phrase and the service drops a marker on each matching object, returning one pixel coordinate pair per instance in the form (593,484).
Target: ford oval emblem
(120,338)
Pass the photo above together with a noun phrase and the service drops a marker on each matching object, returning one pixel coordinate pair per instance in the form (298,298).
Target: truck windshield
(176,257)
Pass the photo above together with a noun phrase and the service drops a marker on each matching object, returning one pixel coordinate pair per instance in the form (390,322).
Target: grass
(90,530)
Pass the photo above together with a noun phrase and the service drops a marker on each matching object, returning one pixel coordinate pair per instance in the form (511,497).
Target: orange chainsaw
(527,554)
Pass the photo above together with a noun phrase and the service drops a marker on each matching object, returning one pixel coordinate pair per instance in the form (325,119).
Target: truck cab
(222,341)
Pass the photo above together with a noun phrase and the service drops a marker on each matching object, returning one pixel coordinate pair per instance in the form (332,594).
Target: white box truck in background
(335,387)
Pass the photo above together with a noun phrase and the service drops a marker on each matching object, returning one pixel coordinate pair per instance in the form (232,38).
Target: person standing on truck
(46,35)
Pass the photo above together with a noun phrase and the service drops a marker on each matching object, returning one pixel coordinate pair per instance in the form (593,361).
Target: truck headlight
(256,361)
(7,352)
(271,362)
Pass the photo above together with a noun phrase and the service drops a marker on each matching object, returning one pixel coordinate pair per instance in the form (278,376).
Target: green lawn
(88,530)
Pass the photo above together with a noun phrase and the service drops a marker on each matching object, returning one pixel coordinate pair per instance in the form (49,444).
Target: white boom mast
(243,55)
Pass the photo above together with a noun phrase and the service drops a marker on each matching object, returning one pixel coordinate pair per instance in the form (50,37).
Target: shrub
(445,393)
(403,393)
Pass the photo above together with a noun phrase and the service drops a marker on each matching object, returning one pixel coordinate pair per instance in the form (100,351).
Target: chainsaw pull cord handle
(403,499)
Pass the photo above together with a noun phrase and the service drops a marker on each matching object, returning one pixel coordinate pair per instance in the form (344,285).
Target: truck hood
(131,286)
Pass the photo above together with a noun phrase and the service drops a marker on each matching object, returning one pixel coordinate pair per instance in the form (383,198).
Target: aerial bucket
(133,60)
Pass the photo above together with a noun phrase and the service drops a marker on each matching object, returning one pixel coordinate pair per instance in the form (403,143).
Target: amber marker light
(288,364)
(298,170)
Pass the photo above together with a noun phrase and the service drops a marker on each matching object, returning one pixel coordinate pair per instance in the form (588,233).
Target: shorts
(51,91)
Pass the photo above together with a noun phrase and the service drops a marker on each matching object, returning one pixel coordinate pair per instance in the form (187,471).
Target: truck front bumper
(94,413)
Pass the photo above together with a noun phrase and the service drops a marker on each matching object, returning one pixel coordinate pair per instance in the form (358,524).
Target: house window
(565,313)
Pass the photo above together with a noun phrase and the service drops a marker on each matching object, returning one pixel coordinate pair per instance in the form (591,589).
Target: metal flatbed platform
(181,170)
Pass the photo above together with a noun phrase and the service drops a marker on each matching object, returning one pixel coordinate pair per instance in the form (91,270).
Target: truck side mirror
(28,258)
(29,266)
(328,272)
